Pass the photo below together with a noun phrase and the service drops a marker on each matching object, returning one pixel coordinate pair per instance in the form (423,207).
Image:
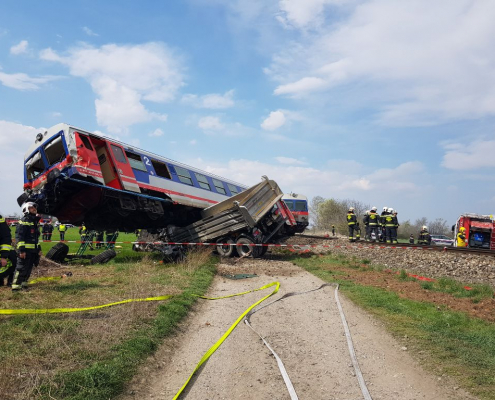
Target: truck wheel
(104,257)
(58,252)
(226,251)
(245,248)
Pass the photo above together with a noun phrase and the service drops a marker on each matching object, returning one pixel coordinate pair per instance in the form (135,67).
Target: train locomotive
(79,176)
(298,205)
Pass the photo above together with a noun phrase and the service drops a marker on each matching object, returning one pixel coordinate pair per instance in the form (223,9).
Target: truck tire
(104,257)
(245,248)
(58,252)
(226,251)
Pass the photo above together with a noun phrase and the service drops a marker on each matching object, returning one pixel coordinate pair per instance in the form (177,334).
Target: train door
(108,169)
(123,168)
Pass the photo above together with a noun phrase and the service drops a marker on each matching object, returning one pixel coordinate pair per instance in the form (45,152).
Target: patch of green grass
(75,287)
(457,345)
(426,285)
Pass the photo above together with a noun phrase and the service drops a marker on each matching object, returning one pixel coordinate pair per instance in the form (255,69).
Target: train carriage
(298,205)
(79,176)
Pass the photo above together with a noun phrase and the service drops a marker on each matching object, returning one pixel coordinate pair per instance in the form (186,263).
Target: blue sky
(389,103)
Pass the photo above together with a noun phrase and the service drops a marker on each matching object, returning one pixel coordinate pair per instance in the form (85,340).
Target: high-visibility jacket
(82,230)
(62,228)
(373,219)
(5,238)
(424,237)
(461,240)
(27,234)
(389,221)
(351,219)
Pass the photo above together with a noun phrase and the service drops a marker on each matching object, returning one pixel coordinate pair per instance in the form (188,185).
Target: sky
(385,102)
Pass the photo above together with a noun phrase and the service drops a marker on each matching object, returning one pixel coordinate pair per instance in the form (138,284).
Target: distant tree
(439,227)
(313,211)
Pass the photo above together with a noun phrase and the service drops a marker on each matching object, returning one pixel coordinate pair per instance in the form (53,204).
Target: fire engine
(480,230)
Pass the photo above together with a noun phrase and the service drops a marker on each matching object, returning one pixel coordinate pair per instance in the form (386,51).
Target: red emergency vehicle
(11,220)
(480,230)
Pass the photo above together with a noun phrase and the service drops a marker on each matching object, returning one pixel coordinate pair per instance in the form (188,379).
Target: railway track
(363,243)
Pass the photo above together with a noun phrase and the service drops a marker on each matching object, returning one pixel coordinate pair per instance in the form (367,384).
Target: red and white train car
(298,205)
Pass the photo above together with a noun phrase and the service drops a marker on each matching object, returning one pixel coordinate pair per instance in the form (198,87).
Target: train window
(161,169)
(203,181)
(34,166)
(135,161)
(102,158)
(219,185)
(184,175)
(119,154)
(86,142)
(289,204)
(55,151)
(233,189)
(301,205)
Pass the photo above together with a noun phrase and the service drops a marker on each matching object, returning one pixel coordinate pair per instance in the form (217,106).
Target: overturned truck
(242,225)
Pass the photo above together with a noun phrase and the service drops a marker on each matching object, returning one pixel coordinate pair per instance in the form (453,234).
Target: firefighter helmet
(425,228)
(462,229)
(351,209)
(390,210)
(385,208)
(25,207)
(373,208)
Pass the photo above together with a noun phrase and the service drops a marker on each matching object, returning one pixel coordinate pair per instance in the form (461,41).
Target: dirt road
(307,333)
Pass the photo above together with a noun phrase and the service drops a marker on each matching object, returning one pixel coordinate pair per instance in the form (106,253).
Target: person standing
(351,222)
(62,228)
(7,254)
(396,227)
(49,232)
(382,224)
(100,240)
(374,224)
(28,248)
(411,239)
(44,232)
(424,237)
(461,237)
(389,223)
(366,223)
(333,230)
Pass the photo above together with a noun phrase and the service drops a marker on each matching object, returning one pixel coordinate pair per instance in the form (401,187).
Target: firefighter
(49,232)
(351,222)
(461,237)
(44,231)
(382,224)
(29,251)
(100,239)
(389,222)
(396,227)
(424,237)
(83,232)
(7,254)
(366,223)
(62,228)
(111,238)
(374,224)
(333,230)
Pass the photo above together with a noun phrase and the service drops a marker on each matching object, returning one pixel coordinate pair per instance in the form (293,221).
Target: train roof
(67,128)
(294,196)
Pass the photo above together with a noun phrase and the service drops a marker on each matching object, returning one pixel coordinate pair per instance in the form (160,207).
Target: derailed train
(79,177)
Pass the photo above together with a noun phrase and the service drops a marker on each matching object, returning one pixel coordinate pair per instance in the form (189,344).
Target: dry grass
(36,347)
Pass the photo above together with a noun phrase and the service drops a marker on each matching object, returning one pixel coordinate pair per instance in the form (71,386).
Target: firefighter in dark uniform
(389,221)
(28,249)
(7,254)
(357,229)
(366,223)
(100,240)
(351,222)
(374,224)
(382,224)
(424,237)
(395,229)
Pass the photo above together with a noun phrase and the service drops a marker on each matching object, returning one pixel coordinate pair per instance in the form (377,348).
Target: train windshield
(55,151)
(289,204)
(301,205)
(34,166)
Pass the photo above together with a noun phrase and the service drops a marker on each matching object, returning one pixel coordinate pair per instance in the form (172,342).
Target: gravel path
(307,333)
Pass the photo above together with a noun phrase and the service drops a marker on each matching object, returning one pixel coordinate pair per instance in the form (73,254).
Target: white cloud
(23,81)
(19,48)
(123,77)
(210,123)
(15,140)
(289,161)
(275,120)
(478,154)
(211,101)
(156,133)
(89,32)
(418,62)
(193,142)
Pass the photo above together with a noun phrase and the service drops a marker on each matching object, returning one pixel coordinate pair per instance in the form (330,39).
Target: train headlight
(39,137)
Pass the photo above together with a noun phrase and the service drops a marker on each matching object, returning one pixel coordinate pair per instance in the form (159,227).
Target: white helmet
(351,209)
(373,208)
(425,228)
(25,207)
(385,208)
(390,210)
